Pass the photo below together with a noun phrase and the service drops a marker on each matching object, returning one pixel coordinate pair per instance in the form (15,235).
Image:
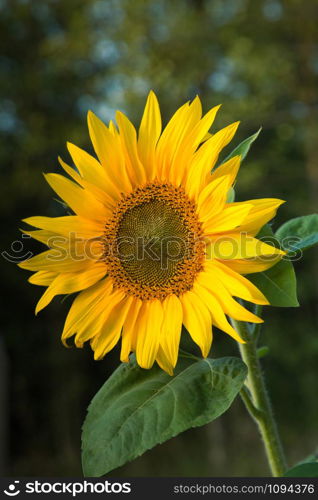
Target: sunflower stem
(257,326)
(258,400)
(255,413)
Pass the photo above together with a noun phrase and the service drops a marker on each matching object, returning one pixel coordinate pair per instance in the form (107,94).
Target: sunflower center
(152,242)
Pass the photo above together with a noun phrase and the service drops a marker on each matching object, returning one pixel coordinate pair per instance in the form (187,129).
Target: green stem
(246,398)
(258,402)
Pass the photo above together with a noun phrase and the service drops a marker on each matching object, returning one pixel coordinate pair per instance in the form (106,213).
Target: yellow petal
(87,309)
(129,335)
(207,136)
(198,133)
(113,129)
(206,157)
(92,171)
(230,306)
(58,260)
(197,320)
(227,220)
(42,278)
(216,311)
(70,171)
(47,237)
(213,197)
(78,199)
(191,141)
(68,225)
(111,330)
(66,283)
(149,133)
(163,361)
(239,246)
(94,326)
(236,284)
(128,138)
(262,211)
(149,330)
(254,265)
(171,328)
(106,197)
(183,121)
(72,246)
(230,167)
(108,149)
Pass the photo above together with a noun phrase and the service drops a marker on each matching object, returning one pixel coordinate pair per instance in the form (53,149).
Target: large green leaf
(136,409)
(299,233)
(309,469)
(243,148)
(278,283)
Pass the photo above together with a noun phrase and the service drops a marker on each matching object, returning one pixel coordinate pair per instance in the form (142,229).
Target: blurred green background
(59,59)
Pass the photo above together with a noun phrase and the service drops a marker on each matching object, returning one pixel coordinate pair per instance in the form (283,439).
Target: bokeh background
(61,58)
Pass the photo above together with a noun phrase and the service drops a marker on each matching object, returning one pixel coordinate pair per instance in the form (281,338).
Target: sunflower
(153,243)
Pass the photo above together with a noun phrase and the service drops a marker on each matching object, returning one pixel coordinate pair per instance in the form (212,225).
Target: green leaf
(299,233)
(309,469)
(313,457)
(243,148)
(136,409)
(278,283)
(262,351)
